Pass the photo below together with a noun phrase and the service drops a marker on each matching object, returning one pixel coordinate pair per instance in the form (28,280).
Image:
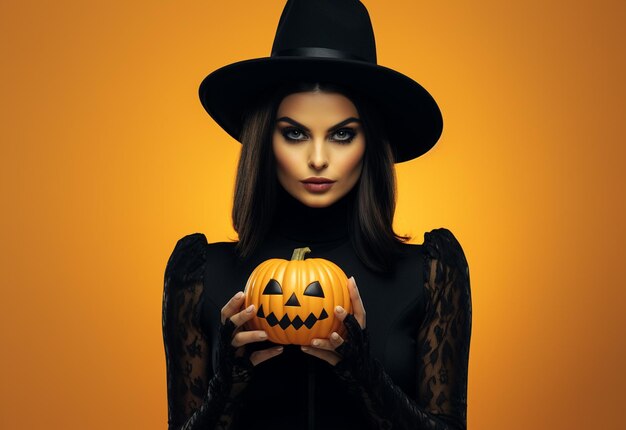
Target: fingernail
(334,336)
(239,295)
(339,309)
(305,348)
(250,308)
(316,343)
(278,348)
(263,335)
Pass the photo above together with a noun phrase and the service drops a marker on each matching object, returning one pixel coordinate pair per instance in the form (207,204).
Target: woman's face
(318,143)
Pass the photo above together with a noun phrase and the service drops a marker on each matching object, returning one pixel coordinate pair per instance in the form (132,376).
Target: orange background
(108,159)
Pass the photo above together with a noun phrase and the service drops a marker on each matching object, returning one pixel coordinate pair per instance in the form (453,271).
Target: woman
(321,125)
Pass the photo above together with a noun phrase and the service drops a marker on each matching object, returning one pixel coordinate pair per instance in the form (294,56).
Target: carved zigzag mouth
(285,321)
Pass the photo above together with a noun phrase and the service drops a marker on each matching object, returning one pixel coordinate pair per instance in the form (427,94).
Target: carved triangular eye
(273,287)
(314,289)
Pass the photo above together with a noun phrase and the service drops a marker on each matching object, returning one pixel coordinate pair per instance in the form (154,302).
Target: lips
(317,185)
(317,180)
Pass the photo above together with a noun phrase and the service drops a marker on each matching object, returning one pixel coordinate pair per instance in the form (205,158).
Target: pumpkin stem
(299,253)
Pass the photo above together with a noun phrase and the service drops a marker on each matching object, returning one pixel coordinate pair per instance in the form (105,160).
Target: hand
(326,348)
(233,311)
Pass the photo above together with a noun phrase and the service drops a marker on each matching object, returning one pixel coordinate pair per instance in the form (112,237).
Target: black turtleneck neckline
(299,222)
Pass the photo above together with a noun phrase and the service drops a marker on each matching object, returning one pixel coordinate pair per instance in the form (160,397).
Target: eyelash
(351,135)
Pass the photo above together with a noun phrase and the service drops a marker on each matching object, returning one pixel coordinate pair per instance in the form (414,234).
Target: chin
(318,201)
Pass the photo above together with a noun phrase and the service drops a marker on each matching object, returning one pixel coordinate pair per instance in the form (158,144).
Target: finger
(246,337)
(240,318)
(340,313)
(329,356)
(233,306)
(335,340)
(265,354)
(328,344)
(322,344)
(357,304)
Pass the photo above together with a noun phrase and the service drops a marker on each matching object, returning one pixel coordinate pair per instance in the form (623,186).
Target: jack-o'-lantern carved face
(314,289)
(295,299)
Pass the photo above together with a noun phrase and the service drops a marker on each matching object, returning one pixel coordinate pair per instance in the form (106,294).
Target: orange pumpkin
(296,299)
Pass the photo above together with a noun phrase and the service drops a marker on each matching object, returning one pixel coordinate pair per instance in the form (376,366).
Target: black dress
(418,323)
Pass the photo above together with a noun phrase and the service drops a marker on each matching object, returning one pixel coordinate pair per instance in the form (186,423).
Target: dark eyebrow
(334,127)
(345,122)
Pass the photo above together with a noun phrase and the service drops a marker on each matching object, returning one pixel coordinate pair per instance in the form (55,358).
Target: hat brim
(410,115)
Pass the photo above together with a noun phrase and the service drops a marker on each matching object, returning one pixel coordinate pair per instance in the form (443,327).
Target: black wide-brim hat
(329,41)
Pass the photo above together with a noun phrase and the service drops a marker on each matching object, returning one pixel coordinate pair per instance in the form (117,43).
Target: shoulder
(190,255)
(187,259)
(446,278)
(442,247)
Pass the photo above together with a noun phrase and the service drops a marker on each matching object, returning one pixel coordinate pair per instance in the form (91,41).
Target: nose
(318,158)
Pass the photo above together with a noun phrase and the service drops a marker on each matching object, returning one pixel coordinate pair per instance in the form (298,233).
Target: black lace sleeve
(197,398)
(443,351)
(444,336)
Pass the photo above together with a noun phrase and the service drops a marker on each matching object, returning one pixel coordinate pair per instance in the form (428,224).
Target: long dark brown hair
(371,231)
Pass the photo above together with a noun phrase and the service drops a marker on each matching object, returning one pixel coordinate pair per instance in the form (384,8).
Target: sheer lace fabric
(186,346)
(199,400)
(444,337)
(196,399)
(443,354)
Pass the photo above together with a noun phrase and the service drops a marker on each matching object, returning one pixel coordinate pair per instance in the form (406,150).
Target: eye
(293,134)
(314,289)
(343,135)
(273,287)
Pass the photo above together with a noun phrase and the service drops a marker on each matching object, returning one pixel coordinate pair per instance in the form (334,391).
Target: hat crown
(327,41)
(325,28)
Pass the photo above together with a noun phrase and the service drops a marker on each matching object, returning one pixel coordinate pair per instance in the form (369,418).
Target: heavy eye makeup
(293,134)
(342,135)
